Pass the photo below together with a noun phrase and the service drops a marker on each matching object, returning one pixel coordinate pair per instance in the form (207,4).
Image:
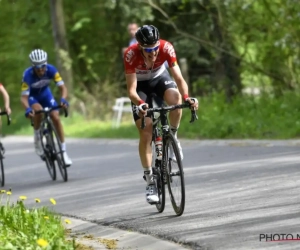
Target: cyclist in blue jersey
(36,94)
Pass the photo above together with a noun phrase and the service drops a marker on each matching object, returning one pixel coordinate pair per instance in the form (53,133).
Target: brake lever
(8,119)
(194,116)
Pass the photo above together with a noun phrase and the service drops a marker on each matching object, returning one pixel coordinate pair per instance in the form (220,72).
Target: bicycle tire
(160,184)
(58,154)
(161,190)
(48,152)
(171,141)
(2,177)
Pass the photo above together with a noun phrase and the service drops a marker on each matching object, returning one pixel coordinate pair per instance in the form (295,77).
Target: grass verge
(31,229)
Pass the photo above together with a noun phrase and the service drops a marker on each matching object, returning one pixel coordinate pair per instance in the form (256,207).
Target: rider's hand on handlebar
(8,110)
(193,101)
(64,102)
(29,113)
(140,110)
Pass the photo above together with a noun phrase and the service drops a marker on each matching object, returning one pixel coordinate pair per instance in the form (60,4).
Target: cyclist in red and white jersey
(146,74)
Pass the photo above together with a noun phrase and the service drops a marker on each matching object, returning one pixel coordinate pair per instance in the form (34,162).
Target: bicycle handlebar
(7,116)
(48,110)
(170,108)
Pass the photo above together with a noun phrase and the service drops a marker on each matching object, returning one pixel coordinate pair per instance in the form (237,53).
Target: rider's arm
(131,89)
(130,74)
(60,83)
(181,83)
(24,101)
(25,94)
(5,97)
(63,91)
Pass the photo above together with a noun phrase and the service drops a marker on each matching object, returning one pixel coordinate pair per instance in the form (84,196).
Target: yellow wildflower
(53,201)
(68,221)
(46,217)
(22,197)
(8,193)
(42,242)
(3,191)
(37,200)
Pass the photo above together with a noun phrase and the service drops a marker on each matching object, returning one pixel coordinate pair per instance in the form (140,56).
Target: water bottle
(158,148)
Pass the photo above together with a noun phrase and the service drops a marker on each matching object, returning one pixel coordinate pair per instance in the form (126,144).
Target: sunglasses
(149,50)
(41,66)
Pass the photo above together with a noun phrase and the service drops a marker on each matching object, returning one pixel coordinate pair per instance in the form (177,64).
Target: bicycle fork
(165,132)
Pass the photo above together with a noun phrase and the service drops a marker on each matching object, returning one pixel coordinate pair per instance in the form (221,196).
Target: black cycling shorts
(157,86)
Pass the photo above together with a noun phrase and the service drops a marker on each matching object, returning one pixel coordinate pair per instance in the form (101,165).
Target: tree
(61,44)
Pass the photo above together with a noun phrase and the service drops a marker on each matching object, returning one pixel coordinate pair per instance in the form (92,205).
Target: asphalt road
(234,192)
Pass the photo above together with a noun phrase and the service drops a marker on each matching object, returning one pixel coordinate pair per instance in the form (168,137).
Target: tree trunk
(63,59)
(228,66)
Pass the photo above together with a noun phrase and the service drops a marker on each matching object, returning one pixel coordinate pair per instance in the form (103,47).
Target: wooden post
(184,69)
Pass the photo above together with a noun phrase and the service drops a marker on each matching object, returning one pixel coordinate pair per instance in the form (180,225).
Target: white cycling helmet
(38,57)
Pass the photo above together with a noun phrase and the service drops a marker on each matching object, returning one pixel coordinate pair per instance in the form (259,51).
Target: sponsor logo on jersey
(57,77)
(168,48)
(129,56)
(168,82)
(40,84)
(142,72)
(24,86)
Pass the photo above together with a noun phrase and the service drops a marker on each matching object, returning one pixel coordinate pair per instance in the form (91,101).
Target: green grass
(31,229)
(257,117)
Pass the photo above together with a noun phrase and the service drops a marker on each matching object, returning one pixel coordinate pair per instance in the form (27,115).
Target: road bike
(53,153)
(2,152)
(165,171)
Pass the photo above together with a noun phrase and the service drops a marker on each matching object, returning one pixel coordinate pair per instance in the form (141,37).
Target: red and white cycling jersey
(135,63)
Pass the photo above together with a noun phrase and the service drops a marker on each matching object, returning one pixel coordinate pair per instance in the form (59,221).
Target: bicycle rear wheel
(175,175)
(59,154)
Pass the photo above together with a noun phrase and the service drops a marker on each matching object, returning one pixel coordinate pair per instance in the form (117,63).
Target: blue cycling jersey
(34,85)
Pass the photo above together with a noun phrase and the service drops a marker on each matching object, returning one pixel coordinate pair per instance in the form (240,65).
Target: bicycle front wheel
(175,175)
(59,154)
(47,144)
(160,187)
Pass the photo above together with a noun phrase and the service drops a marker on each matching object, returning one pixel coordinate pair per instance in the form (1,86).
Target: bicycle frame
(163,120)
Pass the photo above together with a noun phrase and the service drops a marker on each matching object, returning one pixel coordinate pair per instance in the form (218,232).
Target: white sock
(174,130)
(149,175)
(63,146)
(36,134)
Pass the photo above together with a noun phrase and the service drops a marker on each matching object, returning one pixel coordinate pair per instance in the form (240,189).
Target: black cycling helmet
(147,35)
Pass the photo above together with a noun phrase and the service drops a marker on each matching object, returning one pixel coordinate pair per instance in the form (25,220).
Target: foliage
(260,117)
(228,45)
(35,228)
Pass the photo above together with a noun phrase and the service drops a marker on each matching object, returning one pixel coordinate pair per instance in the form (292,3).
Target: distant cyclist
(6,99)
(36,94)
(146,74)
